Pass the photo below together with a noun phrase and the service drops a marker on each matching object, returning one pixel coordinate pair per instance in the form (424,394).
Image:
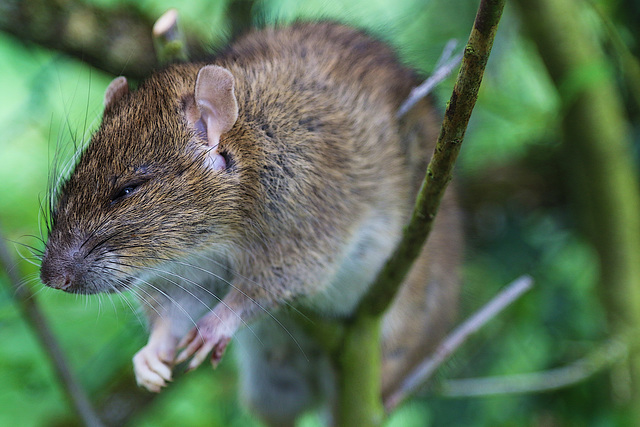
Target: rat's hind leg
(282,372)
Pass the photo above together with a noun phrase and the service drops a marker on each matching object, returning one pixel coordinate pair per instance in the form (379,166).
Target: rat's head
(151,186)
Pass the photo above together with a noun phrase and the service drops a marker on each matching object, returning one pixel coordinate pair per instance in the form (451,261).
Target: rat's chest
(361,260)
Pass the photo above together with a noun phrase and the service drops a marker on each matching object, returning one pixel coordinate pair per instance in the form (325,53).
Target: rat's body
(280,176)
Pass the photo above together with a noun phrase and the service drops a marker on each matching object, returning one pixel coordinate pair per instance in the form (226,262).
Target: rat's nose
(61,268)
(55,276)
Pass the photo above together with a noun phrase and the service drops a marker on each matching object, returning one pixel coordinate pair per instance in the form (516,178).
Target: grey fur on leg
(282,372)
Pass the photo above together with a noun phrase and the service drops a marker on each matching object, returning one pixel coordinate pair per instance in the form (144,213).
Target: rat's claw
(198,344)
(160,368)
(200,355)
(151,372)
(218,351)
(191,343)
(187,338)
(212,334)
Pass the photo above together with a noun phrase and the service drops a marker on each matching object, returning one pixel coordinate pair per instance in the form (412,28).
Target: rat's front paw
(152,367)
(207,336)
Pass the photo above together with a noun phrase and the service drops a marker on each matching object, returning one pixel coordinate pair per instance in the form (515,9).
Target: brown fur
(316,150)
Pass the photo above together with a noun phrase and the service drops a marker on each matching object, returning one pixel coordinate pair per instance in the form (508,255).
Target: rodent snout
(66,267)
(60,281)
(59,271)
(81,269)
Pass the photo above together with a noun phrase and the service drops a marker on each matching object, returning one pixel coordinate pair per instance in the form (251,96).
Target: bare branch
(27,303)
(444,67)
(454,340)
(602,358)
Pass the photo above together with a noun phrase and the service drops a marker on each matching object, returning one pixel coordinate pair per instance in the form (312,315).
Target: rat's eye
(125,191)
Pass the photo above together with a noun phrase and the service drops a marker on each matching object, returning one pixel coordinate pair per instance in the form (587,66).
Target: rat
(228,193)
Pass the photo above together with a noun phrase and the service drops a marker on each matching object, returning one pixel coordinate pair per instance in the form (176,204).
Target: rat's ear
(217,107)
(117,89)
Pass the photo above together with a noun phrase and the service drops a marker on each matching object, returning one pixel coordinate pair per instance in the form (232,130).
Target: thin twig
(444,67)
(27,303)
(602,358)
(454,340)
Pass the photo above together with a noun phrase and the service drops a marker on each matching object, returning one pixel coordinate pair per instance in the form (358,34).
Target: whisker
(41,289)
(160,273)
(125,301)
(27,281)
(33,259)
(253,300)
(138,295)
(86,110)
(199,268)
(36,255)
(102,242)
(33,248)
(235,273)
(166,295)
(100,295)
(204,270)
(248,279)
(134,290)
(41,215)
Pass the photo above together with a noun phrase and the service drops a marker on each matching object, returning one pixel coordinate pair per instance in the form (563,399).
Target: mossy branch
(439,172)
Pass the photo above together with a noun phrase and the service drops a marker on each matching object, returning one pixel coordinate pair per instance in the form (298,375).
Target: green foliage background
(518,219)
